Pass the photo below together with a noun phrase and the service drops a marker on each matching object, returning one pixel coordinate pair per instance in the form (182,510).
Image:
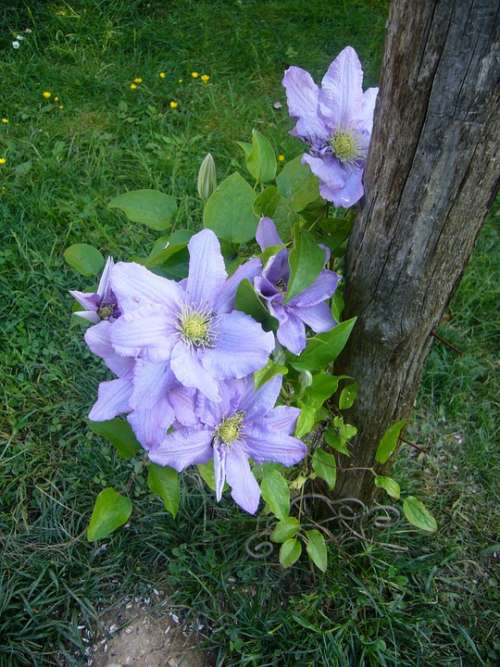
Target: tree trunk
(430,178)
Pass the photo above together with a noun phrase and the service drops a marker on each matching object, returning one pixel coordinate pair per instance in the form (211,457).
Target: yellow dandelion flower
(3,160)
(5,121)
(281,157)
(137,80)
(195,75)
(46,94)
(133,86)
(205,78)
(174,104)
(163,75)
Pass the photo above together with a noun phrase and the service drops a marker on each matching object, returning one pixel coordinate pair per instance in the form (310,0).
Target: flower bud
(207,177)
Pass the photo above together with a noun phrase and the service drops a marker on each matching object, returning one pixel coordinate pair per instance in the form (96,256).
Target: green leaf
(348,395)
(290,552)
(260,470)
(120,434)
(306,259)
(269,371)
(260,157)
(269,252)
(272,204)
(164,482)
(248,302)
(316,549)
(324,348)
(285,529)
(338,305)
(229,210)
(325,466)
(322,387)
(84,258)
(418,514)
(297,183)
(390,486)
(389,441)
(166,247)
(111,510)
(337,442)
(276,493)
(207,474)
(306,420)
(148,207)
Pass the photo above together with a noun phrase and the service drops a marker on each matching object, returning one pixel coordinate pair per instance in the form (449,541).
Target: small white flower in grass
(16,44)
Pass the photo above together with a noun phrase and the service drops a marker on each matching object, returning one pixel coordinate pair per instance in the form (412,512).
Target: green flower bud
(207,177)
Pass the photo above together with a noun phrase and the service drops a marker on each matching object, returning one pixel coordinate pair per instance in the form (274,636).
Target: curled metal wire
(346,520)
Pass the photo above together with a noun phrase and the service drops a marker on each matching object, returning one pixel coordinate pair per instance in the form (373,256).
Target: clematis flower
(243,425)
(190,326)
(309,307)
(336,121)
(100,305)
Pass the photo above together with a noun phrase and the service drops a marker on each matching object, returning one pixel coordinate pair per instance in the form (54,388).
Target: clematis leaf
(348,395)
(84,258)
(248,302)
(260,157)
(418,514)
(325,466)
(271,203)
(389,441)
(111,510)
(324,348)
(316,549)
(164,482)
(229,210)
(285,529)
(298,184)
(269,371)
(120,434)
(276,493)
(149,207)
(306,259)
(390,486)
(290,552)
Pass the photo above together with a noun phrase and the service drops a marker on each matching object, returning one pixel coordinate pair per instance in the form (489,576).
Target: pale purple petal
(99,341)
(364,118)
(150,424)
(89,315)
(220,459)
(265,288)
(135,286)
(152,381)
(292,333)
(328,169)
(225,299)
(351,192)
(183,448)
(267,234)
(188,370)
(302,97)
(282,419)
(277,268)
(244,488)
(256,403)
(112,399)
(149,331)
(207,273)
(341,91)
(104,286)
(270,445)
(318,317)
(242,347)
(322,288)
(182,400)
(88,300)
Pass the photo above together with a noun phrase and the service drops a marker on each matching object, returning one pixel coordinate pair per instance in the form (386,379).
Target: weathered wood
(430,179)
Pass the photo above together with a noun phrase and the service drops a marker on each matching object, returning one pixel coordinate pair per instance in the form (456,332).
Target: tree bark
(430,179)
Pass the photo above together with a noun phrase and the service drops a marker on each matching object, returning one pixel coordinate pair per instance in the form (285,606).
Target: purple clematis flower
(336,121)
(309,307)
(190,326)
(243,425)
(100,305)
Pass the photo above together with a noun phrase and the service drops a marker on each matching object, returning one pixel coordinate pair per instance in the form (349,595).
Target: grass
(433,603)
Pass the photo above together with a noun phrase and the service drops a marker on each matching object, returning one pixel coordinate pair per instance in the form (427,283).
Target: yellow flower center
(105,312)
(229,429)
(345,146)
(195,328)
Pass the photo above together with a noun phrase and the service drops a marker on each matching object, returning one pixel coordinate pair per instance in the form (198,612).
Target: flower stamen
(195,327)
(229,429)
(345,146)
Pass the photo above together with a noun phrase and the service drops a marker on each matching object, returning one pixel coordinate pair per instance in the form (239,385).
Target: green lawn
(433,602)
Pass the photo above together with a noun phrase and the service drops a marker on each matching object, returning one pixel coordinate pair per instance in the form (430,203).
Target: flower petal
(184,448)
(292,333)
(242,347)
(182,400)
(318,317)
(267,234)
(89,315)
(351,192)
(98,339)
(277,268)
(149,330)
(321,289)
(328,169)
(256,403)
(341,92)
(225,299)
(112,399)
(270,445)
(89,300)
(150,424)
(206,269)
(104,287)
(220,459)
(244,488)
(302,96)
(364,119)
(188,370)
(281,418)
(152,382)
(135,286)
